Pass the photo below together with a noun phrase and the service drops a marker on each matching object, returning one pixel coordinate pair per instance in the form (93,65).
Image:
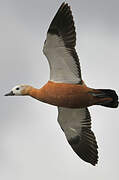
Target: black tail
(108,93)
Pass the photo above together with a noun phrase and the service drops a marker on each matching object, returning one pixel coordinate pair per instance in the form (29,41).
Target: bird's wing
(76,124)
(59,48)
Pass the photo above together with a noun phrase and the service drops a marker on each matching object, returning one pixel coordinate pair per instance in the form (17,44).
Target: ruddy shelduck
(67,90)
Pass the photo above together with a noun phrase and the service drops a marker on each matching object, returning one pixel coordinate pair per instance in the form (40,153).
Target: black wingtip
(62,24)
(86,147)
(64,4)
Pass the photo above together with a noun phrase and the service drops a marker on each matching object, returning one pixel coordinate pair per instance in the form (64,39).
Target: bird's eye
(17,88)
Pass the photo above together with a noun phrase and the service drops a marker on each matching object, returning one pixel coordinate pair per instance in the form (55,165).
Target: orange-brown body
(66,95)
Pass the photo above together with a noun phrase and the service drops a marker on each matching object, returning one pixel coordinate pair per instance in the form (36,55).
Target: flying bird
(66,88)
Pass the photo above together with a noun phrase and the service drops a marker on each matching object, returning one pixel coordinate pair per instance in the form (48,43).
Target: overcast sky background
(32,145)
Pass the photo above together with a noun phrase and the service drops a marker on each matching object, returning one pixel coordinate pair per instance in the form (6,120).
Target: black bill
(10,94)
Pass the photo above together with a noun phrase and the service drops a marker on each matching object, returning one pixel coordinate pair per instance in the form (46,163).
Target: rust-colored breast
(64,95)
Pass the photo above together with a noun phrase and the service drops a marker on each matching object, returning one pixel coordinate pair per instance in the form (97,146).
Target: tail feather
(107,93)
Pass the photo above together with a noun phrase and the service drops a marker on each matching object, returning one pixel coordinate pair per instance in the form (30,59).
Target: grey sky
(32,145)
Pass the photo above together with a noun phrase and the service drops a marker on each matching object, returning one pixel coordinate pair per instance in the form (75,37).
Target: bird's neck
(36,93)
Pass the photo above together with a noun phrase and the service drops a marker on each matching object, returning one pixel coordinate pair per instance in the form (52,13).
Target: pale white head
(19,90)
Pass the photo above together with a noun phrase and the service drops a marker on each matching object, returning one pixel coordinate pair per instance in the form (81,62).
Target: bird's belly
(67,101)
(63,95)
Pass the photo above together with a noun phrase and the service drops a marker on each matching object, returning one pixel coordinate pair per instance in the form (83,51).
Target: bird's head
(19,90)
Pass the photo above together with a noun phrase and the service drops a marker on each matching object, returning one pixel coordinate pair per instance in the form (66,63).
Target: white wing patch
(63,67)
